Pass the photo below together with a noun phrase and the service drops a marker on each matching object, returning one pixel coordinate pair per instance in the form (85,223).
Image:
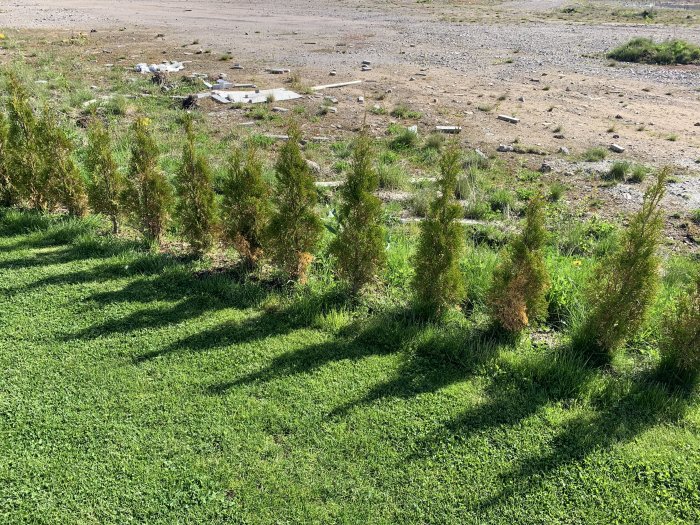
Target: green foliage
(626,282)
(518,294)
(148,196)
(595,154)
(619,170)
(695,216)
(638,174)
(60,177)
(403,140)
(359,245)
(24,159)
(8,195)
(646,51)
(680,346)
(295,227)
(404,112)
(438,281)
(392,177)
(196,207)
(246,206)
(434,141)
(502,200)
(106,184)
(556,191)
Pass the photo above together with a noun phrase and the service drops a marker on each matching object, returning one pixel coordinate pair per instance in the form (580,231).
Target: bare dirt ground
(457,62)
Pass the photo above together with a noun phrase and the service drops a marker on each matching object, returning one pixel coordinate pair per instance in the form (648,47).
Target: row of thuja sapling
(280,224)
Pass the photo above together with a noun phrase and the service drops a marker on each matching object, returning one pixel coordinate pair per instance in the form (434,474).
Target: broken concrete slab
(452,130)
(164,67)
(338,85)
(509,119)
(254,97)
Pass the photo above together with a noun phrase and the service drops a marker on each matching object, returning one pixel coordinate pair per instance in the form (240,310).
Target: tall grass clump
(246,206)
(195,191)
(625,283)
(438,282)
(295,227)
(359,245)
(148,196)
(106,183)
(60,176)
(680,345)
(646,51)
(518,295)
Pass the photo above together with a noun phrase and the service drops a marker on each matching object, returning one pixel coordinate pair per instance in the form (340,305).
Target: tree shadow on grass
(439,357)
(644,406)
(619,413)
(270,323)
(171,282)
(386,333)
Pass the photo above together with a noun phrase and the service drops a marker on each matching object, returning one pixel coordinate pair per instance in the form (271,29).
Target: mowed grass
(140,388)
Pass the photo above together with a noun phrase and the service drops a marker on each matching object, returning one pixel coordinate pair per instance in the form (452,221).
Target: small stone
(505,148)
(360,99)
(508,118)
(616,148)
(413,129)
(564,150)
(366,68)
(236,66)
(412,78)
(558,136)
(697,124)
(333,73)
(313,166)
(366,63)
(616,136)
(545,168)
(619,117)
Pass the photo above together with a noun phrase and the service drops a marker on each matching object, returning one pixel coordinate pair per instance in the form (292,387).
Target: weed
(595,154)
(647,51)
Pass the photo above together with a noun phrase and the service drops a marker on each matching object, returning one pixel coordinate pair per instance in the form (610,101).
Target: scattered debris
(164,67)
(278,109)
(452,130)
(254,97)
(616,148)
(190,102)
(340,84)
(508,118)
(505,148)
(278,71)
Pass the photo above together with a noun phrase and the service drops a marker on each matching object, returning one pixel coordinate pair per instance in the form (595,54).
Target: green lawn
(137,388)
